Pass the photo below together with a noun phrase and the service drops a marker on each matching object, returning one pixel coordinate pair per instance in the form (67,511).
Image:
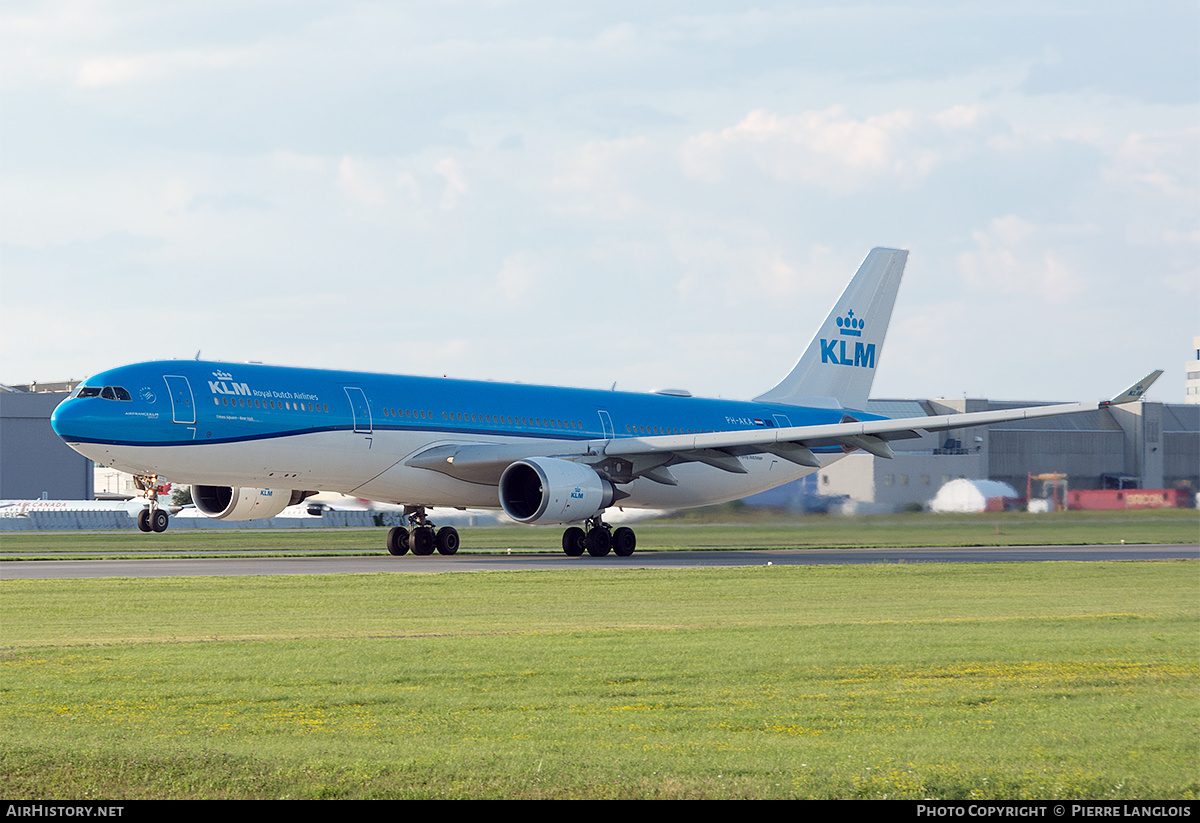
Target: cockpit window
(107,392)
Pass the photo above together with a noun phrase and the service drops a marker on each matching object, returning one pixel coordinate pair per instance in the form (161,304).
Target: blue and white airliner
(252,439)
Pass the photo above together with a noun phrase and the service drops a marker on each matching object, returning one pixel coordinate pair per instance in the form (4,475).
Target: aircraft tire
(143,520)
(159,520)
(446,540)
(421,541)
(397,542)
(599,542)
(574,542)
(624,541)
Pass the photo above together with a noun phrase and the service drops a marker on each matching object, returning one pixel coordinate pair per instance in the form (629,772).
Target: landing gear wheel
(159,520)
(151,518)
(421,540)
(574,541)
(599,541)
(397,541)
(624,541)
(446,540)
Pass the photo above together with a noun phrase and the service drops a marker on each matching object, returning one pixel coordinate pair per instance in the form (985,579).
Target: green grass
(708,529)
(1047,680)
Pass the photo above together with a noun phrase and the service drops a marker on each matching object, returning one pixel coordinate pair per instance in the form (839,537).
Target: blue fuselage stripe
(228,403)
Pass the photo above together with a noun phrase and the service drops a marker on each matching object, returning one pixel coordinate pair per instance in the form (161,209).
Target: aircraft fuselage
(212,423)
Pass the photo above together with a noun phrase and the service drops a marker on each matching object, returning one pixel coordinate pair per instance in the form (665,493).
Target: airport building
(1193,374)
(34,462)
(1142,445)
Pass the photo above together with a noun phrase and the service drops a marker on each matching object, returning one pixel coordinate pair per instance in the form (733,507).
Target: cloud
(456,186)
(356,179)
(1014,255)
(598,178)
(157,67)
(1164,161)
(744,266)
(518,276)
(111,71)
(829,149)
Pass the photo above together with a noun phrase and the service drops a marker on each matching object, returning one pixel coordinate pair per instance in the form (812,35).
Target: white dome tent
(969,495)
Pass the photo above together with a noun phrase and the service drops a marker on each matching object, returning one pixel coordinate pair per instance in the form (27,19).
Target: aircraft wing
(626,458)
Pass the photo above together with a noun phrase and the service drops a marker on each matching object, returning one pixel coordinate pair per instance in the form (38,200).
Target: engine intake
(226,503)
(549,490)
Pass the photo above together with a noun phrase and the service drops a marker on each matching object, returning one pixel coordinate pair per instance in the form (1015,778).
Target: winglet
(1135,391)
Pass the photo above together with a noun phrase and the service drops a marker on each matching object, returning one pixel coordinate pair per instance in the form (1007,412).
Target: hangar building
(34,462)
(1137,445)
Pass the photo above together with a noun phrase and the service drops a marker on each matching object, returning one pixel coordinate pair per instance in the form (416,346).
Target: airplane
(252,439)
(24,508)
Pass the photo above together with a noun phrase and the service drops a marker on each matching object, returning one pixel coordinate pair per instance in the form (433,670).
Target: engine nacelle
(225,503)
(549,490)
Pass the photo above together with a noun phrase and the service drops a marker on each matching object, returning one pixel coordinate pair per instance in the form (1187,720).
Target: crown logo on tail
(851,326)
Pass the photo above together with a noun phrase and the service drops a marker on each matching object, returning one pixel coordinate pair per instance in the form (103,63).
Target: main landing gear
(423,539)
(152,519)
(598,539)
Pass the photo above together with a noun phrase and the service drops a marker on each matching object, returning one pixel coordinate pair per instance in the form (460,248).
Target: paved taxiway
(469,561)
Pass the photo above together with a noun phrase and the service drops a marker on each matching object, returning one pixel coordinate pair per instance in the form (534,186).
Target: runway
(467,561)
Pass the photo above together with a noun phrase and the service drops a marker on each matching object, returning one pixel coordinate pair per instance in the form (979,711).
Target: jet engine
(225,503)
(549,490)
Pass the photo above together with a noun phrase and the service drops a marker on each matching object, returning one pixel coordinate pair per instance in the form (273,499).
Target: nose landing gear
(152,518)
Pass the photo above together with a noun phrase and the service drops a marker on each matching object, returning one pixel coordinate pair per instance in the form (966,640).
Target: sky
(651,195)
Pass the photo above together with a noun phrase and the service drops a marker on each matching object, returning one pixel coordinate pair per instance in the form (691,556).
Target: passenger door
(360,408)
(183,406)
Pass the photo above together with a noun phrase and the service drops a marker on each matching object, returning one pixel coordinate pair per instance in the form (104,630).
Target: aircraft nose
(67,418)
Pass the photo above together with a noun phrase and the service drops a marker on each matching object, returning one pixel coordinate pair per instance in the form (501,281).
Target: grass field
(1039,680)
(713,529)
